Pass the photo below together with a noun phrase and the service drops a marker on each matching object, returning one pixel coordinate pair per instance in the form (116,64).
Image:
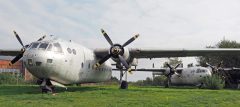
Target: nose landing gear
(47,87)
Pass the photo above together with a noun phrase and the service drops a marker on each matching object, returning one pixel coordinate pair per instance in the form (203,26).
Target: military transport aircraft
(180,76)
(192,75)
(57,62)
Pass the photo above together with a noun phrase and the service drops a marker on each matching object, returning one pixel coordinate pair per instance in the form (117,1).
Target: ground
(111,96)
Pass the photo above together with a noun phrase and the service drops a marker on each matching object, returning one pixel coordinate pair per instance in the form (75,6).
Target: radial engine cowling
(124,52)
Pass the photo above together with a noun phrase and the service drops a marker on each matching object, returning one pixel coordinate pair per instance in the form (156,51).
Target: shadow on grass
(35,89)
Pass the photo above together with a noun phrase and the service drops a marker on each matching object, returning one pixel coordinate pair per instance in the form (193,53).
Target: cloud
(160,23)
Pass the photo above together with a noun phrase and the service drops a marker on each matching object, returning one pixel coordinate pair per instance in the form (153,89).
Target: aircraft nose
(35,62)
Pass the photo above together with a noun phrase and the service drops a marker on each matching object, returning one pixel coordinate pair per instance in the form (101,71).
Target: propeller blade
(102,61)
(169,66)
(177,66)
(130,40)
(209,65)
(40,39)
(123,61)
(107,37)
(18,38)
(19,56)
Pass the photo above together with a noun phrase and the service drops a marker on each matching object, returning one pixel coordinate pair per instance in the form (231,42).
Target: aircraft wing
(179,70)
(161,53)
(231,69)
(146,70)
(9,52)
(158,53)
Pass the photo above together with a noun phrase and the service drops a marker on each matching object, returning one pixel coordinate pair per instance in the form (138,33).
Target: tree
(228,61)
(172,61)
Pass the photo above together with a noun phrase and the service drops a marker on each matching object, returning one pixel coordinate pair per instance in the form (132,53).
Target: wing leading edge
(161,53)
(9,52)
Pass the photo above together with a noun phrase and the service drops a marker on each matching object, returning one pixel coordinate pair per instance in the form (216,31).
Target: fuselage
(190,76)
(65,62)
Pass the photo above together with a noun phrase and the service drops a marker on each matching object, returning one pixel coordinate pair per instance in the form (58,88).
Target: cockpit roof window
(43,46)
(57,48)
(34,45)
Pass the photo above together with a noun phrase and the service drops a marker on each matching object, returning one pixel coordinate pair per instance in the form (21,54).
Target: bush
(156,81)
(10,78)
(213,82)
(159,80)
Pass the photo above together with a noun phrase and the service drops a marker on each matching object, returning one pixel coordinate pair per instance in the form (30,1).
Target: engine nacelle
(134,62)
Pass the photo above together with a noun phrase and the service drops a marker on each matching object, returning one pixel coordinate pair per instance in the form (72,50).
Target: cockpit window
(57,47)
(43,46)
(74,51)
(49,47)
(34,45)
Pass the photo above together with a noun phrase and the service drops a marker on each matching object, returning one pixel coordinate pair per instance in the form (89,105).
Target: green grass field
(111,96)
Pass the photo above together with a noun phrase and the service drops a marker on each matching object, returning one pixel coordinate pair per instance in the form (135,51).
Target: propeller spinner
(116,51)
(215,69)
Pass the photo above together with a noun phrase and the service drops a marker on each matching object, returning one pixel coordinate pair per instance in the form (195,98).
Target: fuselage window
(34,45)
(74,51)
(200,70)
(57,47)
(43,46)
(49,47)
(69,50)
(82,65)
(30,62)
(89,66)
(49,60)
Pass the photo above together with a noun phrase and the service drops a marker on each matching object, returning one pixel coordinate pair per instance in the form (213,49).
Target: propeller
(169,75)
(172,69)
(20,55)
(116,51)
(215,69)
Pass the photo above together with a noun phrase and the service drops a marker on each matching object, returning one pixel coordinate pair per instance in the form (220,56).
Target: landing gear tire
(39,82)
(124,85)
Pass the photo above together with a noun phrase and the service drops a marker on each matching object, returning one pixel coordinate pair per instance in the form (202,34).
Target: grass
(111,96)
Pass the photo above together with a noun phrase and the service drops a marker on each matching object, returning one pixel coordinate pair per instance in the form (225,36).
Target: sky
(162,24)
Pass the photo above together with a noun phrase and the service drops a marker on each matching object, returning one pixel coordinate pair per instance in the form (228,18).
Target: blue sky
(160,23)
